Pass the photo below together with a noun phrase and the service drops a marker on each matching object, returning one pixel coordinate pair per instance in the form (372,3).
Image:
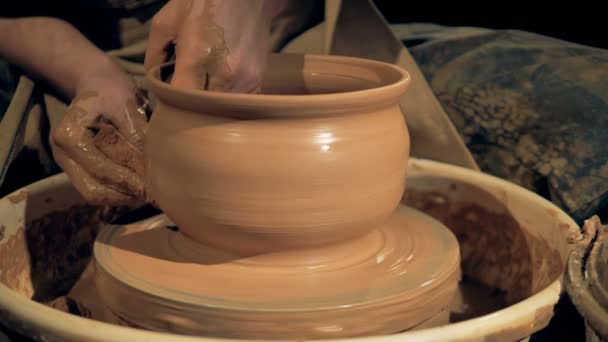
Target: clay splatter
(21,196)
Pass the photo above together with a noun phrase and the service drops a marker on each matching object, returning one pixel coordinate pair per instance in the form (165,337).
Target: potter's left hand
(106,99)
(219,45)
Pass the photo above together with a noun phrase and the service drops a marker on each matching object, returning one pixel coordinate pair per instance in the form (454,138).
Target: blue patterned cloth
(531,109)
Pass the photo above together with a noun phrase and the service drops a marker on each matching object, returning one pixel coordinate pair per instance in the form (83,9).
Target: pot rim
(279,105)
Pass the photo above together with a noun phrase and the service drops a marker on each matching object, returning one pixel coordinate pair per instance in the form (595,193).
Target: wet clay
(257,173)
(15,264)
(407,269)
(472,299)
(116,147)
(526,267)
(69,305)
(46,258)
(216,70)
(442,179)
(21,196)
(98,178)
(287,208)
(199,48)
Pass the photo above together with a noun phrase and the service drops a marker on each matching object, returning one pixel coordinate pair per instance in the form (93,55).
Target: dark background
(582,22)
(575,21)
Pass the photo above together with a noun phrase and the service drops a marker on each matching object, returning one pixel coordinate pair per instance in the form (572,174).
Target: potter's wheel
(395,278)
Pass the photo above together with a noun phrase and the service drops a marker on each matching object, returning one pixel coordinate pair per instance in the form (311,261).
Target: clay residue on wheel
(495,249)
(60,245)
(21,196)
(44,260)
(15,264)
(69,305)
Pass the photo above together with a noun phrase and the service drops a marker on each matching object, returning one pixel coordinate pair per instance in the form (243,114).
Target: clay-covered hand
(99,141)
(219,45)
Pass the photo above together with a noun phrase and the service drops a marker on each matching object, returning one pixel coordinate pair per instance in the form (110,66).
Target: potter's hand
(219,45)
(103,174)
(99,165)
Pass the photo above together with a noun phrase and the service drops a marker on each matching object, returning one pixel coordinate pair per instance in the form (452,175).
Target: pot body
(275,175)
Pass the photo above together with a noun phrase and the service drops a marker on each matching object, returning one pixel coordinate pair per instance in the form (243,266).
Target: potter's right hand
(108,172)
(219,45)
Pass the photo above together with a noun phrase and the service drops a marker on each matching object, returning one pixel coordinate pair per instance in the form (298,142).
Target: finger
(125,109)
(131,121)
(248,81)
(193,53)
(77,143)
(222,77)
(251,61)
(163,31)
(92,191)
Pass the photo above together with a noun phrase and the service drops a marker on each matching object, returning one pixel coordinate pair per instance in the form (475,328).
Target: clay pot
(319,157)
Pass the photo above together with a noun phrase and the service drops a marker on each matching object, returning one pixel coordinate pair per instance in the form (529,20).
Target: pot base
(398,277)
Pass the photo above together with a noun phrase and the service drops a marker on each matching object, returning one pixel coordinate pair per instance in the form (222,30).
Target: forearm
(51,49)
(276,6)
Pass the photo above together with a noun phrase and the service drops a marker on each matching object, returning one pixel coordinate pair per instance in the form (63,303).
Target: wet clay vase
(282,212)
(319,158)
